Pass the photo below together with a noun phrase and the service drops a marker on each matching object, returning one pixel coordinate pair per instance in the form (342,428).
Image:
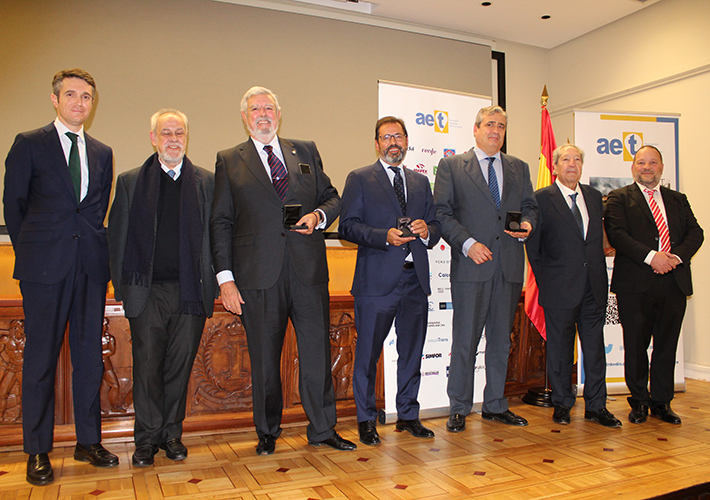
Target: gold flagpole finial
(543,99)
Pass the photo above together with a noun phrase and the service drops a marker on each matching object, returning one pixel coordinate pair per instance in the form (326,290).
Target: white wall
(656,60)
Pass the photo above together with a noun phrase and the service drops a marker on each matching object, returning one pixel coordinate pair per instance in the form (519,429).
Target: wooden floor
(487,460)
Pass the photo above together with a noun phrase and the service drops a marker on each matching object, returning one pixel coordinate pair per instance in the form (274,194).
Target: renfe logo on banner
(610,141)
(440,123)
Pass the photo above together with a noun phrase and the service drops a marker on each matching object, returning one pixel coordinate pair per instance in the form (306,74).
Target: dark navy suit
(61,260)
(570,270)
(384,291)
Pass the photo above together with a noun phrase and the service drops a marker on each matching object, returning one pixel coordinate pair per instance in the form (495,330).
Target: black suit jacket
(48,229)
(632,231)
(560,256)
(370,209)
(248,235)
(135,297)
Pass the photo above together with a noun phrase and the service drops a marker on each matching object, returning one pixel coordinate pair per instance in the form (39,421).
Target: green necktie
(75,165)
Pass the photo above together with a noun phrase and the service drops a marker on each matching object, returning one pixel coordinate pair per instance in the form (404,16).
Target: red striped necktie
(660,222)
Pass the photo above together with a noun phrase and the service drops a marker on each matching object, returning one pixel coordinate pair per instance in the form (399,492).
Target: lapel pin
(293,151)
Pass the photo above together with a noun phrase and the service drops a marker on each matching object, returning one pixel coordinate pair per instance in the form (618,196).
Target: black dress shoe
(415,427)
(561,415)
(604,417)
(368,432)
(335,441)
(174,449)
(143,456)
(507,417)
(266,445)
(39,470)
(96,455)
(638,414)
(665,413)
(456,423)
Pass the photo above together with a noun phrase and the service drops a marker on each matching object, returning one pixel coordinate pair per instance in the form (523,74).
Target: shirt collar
(481,155)
(643,188)
(177,170)
(62,129)
(567,191)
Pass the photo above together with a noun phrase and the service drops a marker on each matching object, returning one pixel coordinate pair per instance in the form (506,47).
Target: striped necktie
(660,222)
(279,175)
(493,181)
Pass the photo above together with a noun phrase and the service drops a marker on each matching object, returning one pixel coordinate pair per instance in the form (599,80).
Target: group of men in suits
(254,228)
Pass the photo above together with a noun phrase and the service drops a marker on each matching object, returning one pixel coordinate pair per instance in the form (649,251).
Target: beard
(394,155)
(169,157)
(262,133)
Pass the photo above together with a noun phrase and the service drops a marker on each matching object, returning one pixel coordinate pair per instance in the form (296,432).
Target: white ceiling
(515,20)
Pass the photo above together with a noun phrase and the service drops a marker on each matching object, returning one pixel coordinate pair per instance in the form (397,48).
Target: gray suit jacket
(135,297)
(248,235)
(465,209)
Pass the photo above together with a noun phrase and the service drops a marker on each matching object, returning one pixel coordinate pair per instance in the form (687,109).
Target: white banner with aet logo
(609,141)
(439,123)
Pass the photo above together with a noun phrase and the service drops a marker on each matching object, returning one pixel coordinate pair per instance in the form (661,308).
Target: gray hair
(558,152)
(167,111)
(490,110)
(256,90)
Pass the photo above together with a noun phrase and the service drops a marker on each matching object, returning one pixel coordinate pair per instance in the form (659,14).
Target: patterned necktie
(399,189)
(75,165)
(493,182)
(279,176)
(660,222)
(577,214)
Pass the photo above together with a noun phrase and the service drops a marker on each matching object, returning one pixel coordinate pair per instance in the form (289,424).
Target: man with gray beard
(161,268)
(388,210)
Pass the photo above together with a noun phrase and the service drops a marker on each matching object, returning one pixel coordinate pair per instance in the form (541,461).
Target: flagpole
(540,396)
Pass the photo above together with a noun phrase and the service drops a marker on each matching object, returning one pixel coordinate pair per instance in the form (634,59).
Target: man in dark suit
(161,266)
(391,281)
(655,235)
(271,269)
(566,252)
(57,188)
(473,193)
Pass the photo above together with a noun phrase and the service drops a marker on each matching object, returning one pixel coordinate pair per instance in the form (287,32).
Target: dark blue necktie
(577,214)
(493,181)
(279,176)
(399,189)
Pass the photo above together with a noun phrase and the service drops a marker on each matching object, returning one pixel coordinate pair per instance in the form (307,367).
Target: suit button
(497,237)
(76,236)
(585,264)
(78,210)
(500,218)
(283,234)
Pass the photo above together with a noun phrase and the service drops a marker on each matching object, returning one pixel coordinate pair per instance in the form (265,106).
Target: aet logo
(632,142)
(439,120)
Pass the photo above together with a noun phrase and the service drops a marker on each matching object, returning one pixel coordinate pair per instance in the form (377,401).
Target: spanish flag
(544,178)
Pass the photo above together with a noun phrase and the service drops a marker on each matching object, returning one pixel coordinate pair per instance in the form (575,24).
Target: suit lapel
(92,158)
(473,169)
(636,195)
(560,203)
(507,178)
(56,152)
(291,159)
(252,160)
(671,214)
(381,177)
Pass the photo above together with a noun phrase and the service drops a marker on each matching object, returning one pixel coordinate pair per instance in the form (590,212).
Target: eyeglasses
(388,137)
